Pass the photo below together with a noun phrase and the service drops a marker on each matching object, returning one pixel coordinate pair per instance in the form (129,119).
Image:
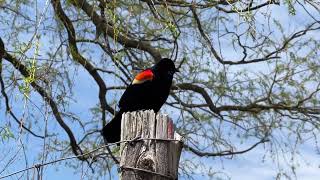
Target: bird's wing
(146,75)
(138,92)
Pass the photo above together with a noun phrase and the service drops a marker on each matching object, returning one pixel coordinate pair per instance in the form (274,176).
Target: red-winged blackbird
(149,90)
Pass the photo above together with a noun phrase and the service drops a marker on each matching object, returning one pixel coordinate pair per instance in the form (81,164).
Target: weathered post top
(155,149)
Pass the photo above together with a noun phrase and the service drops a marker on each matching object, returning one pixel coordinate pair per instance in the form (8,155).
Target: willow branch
(109,29)
(249,7)
(79,58)
(46,97)
(270,56)
(253,107)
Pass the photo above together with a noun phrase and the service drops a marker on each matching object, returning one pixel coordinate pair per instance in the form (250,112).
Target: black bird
(149,90)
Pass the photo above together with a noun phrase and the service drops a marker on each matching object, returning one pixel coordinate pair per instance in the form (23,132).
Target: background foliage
(249,79)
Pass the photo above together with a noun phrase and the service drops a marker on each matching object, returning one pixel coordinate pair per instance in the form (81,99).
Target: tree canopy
(249,79)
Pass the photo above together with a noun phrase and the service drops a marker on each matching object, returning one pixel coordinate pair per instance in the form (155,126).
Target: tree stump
(153,149)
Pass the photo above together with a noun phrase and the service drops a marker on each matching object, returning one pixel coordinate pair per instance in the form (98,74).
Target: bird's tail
(111,132)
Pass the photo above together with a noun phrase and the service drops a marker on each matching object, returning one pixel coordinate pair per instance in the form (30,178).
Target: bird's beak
(177,70)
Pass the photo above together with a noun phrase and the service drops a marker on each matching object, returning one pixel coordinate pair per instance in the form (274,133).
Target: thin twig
(84,154)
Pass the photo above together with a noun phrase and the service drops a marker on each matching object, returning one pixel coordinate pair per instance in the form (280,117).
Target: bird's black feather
(151,94)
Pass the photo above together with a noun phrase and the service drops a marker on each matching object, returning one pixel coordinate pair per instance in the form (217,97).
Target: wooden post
(145,157)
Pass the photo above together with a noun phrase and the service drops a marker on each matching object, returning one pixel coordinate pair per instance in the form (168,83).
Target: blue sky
(249,166)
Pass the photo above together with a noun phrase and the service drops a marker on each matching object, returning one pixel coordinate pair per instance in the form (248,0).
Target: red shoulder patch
(146,75)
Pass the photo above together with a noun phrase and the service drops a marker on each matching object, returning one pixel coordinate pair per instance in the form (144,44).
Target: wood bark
(153,149)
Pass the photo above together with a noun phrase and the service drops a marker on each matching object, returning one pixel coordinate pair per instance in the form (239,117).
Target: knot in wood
(147,163)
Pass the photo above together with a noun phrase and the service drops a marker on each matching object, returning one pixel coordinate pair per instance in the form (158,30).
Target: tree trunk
(154,150)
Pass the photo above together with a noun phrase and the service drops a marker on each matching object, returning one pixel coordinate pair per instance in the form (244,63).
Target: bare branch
(249,7)
(224,153)
(122,39)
